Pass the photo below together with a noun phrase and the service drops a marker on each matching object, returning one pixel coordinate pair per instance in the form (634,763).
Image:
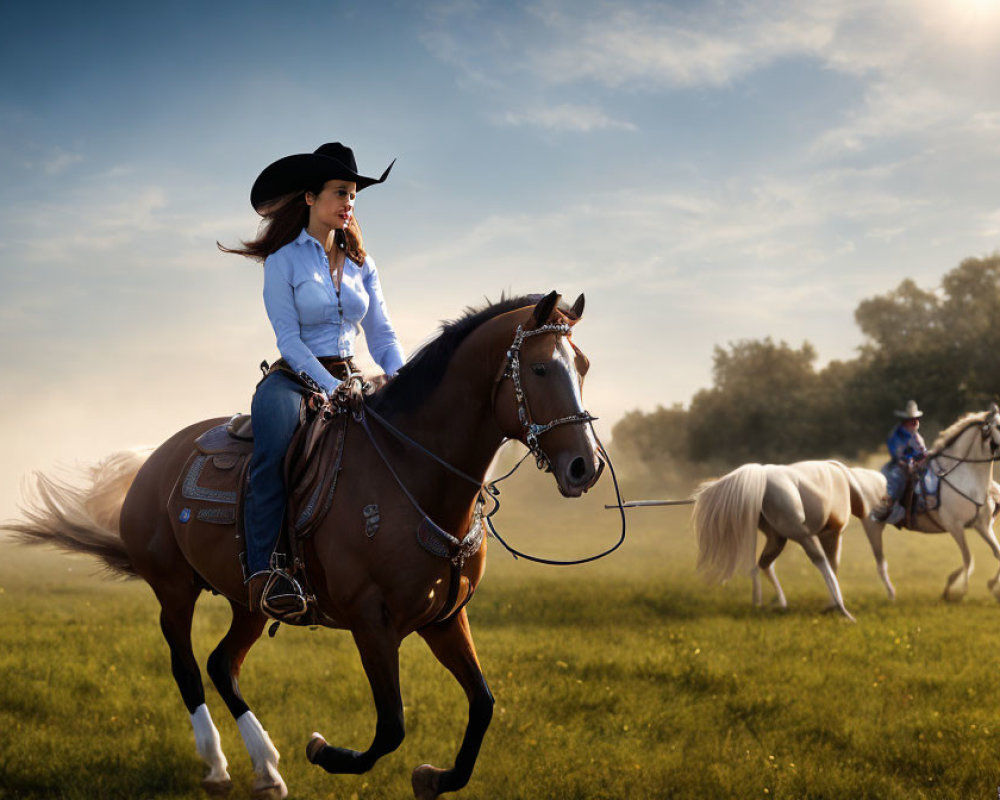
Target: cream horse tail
(725,518)
(83,520)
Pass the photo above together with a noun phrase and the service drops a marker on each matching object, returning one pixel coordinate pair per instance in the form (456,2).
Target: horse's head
(538,396)
(991,428)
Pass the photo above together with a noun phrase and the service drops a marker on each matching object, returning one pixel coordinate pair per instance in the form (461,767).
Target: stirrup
(283,598)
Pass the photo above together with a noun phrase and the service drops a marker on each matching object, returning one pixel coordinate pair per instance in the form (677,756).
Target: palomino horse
(488,376)
(809,501)
(962,457)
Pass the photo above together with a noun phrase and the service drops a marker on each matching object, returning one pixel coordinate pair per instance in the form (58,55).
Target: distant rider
(907,451)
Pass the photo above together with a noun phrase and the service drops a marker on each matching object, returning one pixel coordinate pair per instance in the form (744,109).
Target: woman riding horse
(418,452)
(319,284)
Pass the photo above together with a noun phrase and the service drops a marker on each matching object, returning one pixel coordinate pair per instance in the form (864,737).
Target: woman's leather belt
(339,367)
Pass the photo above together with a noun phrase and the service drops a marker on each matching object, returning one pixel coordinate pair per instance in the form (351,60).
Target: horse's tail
(83,519)
(725,519)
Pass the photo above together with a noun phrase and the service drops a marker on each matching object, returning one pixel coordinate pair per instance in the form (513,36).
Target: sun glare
(972,23)
(977,10)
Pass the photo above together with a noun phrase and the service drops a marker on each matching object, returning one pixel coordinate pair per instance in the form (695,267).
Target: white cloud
(711,44)
(68,232)
(925,67)
(59,161)
(563,117)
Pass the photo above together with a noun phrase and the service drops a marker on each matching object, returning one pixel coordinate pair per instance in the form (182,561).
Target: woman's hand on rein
(375,382)
(349,394)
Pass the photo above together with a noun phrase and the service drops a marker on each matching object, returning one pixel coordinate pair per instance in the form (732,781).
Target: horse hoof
(217,787)
(269,789)
(426,780)
(315,747)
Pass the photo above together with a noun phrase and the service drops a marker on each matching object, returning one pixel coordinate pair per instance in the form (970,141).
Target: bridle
(986,430)
(985,433)
(512,369)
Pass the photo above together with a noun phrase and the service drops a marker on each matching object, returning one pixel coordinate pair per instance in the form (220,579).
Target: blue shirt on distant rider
(309,319)
(905,445)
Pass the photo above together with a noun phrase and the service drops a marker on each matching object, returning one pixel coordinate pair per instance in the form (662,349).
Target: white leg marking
(779,595)
(209,747)
(815,552)
(263,756)
(883,571)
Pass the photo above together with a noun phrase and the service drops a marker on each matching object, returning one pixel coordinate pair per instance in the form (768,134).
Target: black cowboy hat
(331,161)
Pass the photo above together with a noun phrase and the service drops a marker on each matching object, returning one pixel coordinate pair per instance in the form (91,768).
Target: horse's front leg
(451,642)
(378,645)
(958,582)
(984,525)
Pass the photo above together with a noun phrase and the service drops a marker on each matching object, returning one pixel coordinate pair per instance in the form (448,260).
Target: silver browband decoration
(534,430)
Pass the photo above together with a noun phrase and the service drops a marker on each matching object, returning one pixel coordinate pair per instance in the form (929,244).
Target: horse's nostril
(578,468)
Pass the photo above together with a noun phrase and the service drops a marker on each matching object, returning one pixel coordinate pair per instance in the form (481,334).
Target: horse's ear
(544,309)
(577,310)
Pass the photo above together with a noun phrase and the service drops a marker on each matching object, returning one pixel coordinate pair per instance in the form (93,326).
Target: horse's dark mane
(419,376)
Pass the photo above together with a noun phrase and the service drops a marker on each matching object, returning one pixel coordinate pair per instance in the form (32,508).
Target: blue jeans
(895,479)
(275,410)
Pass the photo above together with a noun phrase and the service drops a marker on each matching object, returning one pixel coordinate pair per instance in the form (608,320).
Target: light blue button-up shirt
(309,319)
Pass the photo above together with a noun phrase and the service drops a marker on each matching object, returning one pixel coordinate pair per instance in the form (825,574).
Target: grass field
(629,678)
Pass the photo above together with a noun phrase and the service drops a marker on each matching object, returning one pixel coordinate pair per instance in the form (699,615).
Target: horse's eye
(538,369)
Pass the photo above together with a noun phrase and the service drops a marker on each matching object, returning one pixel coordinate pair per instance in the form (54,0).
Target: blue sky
(705,171)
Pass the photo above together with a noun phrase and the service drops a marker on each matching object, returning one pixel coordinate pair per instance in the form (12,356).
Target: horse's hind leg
(830,542)
(815,552)
(772,549)
(873,530)
(224,669)
(378,644)
(177,607)
(452,643)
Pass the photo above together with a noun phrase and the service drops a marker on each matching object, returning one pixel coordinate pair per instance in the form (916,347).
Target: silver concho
(371,519)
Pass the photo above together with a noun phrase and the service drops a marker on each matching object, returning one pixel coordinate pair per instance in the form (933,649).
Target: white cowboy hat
(911,411)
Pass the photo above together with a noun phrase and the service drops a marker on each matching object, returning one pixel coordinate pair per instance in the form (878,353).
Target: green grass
(629,678)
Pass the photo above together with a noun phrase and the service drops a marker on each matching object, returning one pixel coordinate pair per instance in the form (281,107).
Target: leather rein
(532,432)
(959,460)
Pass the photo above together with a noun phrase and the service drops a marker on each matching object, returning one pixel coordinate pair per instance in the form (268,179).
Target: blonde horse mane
(953,431)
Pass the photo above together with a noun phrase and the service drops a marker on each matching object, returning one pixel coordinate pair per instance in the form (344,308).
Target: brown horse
(488,377)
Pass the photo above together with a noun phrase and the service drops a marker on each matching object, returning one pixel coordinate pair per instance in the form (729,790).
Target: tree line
(769,403)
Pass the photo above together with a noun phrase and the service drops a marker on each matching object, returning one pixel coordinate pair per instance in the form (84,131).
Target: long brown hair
(284,219)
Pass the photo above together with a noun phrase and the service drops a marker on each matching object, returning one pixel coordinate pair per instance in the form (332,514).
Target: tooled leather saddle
(211,486)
